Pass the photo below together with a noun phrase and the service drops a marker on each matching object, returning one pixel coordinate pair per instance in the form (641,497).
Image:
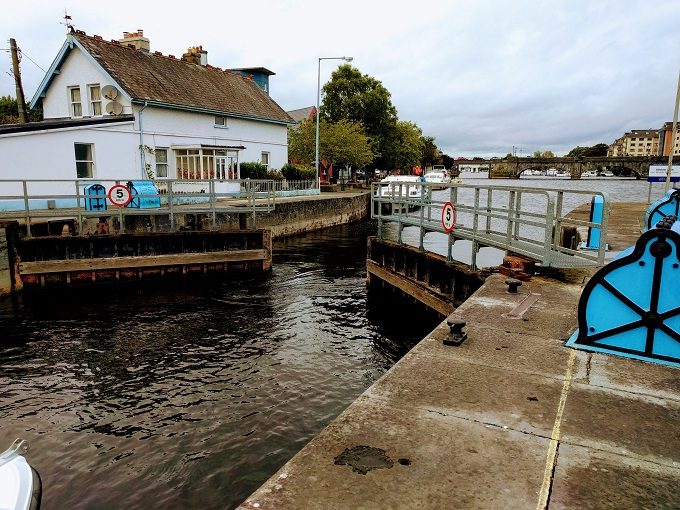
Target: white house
(116,110)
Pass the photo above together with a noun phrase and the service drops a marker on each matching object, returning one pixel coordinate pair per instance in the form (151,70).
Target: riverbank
(509,419)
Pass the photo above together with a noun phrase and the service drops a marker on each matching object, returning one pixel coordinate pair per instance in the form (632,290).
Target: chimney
(137,39)
(196,55)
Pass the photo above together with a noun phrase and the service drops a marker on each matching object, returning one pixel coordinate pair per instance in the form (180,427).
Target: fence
(524,221)
(32,200)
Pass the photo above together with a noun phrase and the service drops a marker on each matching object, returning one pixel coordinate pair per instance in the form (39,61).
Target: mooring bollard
(456,334)
(513,285)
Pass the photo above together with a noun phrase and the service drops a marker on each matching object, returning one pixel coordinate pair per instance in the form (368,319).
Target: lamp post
(318,97)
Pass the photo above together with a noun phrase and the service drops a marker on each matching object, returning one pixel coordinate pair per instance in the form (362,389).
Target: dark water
(189,395)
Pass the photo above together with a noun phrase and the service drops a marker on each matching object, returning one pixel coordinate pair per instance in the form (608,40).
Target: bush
(274,175)
(253,170)
(298,172)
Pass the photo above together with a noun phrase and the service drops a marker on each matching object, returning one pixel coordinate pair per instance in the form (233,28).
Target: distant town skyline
(480,78)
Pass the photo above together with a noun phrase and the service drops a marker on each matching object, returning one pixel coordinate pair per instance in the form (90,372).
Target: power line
(34,62)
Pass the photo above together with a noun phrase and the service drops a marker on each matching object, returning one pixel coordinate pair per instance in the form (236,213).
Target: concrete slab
(623,422)
(503,398)
(593,479)
(444,464)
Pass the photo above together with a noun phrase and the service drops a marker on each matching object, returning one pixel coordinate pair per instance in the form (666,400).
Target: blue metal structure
(144,195)
(668,205)
(95,197)
(596,214)
(631,307)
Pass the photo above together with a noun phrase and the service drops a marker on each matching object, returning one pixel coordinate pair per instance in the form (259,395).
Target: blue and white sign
(657,173)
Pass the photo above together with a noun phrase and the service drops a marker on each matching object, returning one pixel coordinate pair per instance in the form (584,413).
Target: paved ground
(509,419)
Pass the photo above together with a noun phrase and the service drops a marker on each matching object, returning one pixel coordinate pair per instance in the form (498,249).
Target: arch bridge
(513,167)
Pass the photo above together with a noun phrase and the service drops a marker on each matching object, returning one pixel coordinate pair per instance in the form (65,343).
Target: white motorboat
(404,186)
(439,179)
(20,485)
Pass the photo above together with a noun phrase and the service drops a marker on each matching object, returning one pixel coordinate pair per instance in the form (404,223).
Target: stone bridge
(513,167)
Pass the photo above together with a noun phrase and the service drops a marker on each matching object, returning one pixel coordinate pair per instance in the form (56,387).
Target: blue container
(95,197)
(596,215)
(150,198)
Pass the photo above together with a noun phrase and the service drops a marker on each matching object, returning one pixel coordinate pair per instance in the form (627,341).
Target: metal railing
(33,201)
(525,221)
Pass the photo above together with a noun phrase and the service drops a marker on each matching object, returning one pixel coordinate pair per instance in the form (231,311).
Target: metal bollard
(456,334)
(513,285)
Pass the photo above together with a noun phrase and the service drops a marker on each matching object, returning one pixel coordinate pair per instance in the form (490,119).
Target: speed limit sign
(120,195)
(448,217)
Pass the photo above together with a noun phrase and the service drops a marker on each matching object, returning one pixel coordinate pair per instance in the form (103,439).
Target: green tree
(342,143)
(431,154)
(598,150)
(9,111)
(404,146)
(358,98)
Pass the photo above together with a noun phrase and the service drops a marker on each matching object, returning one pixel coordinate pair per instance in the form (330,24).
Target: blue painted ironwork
(631,307)
(95,197)
(594,233)
(144,195)
(668,205)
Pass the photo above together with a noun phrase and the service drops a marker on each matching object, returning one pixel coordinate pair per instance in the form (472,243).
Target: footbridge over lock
(513,167)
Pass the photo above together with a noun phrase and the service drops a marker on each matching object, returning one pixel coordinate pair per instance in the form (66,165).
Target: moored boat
(20,485)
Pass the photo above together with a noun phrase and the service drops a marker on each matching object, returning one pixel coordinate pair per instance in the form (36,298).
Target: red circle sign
(448,217)
(119,195)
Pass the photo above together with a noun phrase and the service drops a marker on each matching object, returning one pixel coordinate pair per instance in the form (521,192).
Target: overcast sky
(479,76)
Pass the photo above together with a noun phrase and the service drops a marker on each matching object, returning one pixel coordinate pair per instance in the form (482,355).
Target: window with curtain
(76,105)
(95,100)
(161,162)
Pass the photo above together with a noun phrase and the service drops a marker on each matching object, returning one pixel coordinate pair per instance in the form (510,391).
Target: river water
(191,394)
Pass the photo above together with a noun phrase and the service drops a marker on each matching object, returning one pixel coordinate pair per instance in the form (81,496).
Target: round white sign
(448,217)
(119,195)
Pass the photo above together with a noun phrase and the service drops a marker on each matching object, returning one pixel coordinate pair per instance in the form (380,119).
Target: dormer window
(95,100)
(220,121)
(76,105)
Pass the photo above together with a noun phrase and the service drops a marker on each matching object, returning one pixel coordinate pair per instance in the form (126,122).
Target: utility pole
(21,102)
(674,133)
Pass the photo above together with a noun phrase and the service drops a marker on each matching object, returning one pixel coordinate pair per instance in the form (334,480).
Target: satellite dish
(114,108)
(110,92)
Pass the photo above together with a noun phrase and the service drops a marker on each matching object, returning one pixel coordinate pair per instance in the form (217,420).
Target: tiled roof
(155,77)
(302,113)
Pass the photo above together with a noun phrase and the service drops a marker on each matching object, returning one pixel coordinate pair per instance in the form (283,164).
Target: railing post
(400,224)
(558,219)
(421,247)
(518,214)
(475,226)
(549,225)
(170,206)
(80,215)
(511,215)
(211,188)
(603,229)
(489,197)
(27,209)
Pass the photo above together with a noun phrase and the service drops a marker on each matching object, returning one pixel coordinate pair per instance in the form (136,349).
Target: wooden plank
(178,259)
(414,289)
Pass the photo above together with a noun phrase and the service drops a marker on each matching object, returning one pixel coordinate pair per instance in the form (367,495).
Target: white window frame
(75,105)
(221,122)
(265,155)
(88,161)
(93,101)
(160,164)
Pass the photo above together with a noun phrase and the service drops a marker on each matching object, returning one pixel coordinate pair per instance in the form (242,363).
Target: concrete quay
(511,418)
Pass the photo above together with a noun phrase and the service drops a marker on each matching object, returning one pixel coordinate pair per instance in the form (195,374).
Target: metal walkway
(525,221)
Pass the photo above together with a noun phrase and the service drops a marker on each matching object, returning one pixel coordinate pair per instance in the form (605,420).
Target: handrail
(30,200)
(527,221)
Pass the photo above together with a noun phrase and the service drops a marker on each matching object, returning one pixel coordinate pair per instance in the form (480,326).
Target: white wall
(77,69)
(164,127)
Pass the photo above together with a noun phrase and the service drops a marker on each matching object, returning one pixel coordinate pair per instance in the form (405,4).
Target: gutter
(142,156)
(174,106)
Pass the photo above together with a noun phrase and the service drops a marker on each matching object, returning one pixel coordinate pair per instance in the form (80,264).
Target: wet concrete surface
(511,418)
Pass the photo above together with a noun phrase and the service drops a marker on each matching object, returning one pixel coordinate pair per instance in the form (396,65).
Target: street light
(318,97)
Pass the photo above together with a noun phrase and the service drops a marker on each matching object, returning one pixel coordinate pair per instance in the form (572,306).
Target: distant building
(308,113)
(637,142)
(665,134)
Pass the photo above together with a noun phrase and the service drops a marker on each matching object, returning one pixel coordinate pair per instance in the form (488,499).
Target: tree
(9,111)
(404,146)
(342,143)
(447,161)
(431,155)
(598,150)
(358,98)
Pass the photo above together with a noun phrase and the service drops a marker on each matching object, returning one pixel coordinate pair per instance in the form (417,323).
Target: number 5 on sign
(448,217)
(120,195)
